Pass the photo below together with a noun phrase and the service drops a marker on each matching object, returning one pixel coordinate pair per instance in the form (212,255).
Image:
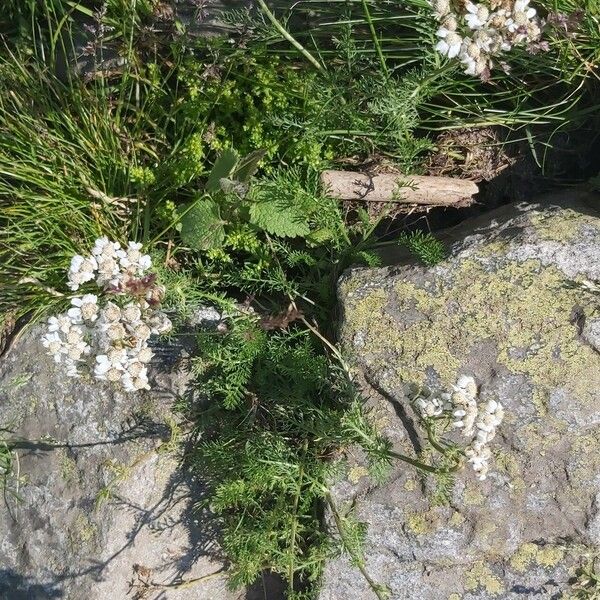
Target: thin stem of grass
(289,37)
(375,39)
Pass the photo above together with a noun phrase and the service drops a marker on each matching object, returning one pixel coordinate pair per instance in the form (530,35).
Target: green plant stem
(357,560)
(289,37)
(375,38)
(291,569)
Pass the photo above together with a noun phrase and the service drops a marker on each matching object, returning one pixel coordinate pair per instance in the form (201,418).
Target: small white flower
(74,314)
(61,323)
(477,15)
(87,307)
(100,245)
(132,313)
(71,368)
(440,7)
(450,44)
(145,262)
(110,313)
(522,6)
(55,345)
(159,323)
(103,364)
(81,271)
(145,354)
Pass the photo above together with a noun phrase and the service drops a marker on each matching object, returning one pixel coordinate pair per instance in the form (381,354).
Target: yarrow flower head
(482,32)
(476,422)
(109,339)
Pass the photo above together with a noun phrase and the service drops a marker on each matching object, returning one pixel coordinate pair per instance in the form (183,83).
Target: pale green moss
(481,576)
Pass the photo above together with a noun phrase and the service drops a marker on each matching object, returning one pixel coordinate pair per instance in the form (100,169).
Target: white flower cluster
(109,341)
(109,264)
(477,422)
(479,34)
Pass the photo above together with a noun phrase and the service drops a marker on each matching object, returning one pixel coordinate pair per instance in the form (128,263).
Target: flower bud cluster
(109,340)
(477,34)
(477,422)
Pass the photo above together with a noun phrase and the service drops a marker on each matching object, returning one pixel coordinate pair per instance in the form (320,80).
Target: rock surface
(104,509)
(506,307)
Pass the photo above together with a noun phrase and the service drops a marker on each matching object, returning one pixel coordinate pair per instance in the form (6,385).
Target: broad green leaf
(202,226)
(222,169)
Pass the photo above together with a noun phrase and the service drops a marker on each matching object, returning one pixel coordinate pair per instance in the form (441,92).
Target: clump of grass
(61,160)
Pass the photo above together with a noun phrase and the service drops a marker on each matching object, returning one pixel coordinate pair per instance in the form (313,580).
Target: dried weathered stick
(392,187)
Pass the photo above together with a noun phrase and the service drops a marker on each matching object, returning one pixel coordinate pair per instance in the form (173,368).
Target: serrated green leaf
(202,226)
(279,219)
(320,236)
(223,167)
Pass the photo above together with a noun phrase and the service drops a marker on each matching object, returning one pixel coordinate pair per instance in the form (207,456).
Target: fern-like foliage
(424,246)
(270,460)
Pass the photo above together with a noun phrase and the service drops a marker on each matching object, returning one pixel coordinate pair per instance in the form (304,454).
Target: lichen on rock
(508,308)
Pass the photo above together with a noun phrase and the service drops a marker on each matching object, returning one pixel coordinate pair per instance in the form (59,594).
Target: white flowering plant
(477,421)
(480,34)
(107,335)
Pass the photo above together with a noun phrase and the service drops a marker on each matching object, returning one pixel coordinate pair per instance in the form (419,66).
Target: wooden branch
(405,189)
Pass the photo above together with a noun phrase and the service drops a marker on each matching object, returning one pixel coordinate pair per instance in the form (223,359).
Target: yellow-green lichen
(507,463)
(480,575)
(68,467)
(586,450)
(456,519)
(82,531)
(410,485)
(423,523)
(530,554)
(563,230)
(355,474)
(454,597)
(523,309)
(486,528)
(473,496)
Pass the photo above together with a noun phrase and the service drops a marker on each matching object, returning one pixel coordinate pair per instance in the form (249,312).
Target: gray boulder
(507,307)
(104,509)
